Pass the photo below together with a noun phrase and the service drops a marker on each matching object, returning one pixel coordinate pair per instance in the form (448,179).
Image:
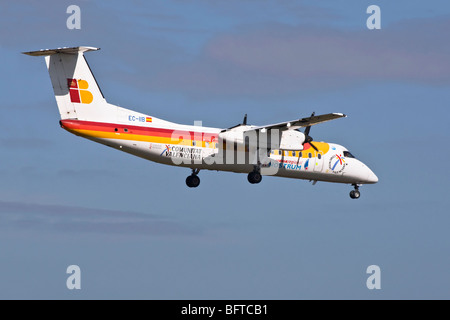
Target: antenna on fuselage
(245,120)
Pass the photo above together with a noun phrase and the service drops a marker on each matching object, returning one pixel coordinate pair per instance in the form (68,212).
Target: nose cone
(371,177)
(359,173)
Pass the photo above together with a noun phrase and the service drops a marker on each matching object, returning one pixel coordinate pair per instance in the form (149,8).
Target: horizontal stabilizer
(49,52)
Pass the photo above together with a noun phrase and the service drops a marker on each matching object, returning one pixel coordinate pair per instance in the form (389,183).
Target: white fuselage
(200,148)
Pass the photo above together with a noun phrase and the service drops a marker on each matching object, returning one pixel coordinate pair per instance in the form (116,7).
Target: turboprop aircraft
(279,149)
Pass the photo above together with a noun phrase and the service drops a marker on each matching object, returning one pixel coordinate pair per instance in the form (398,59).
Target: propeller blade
(308,128)
(307,131)
(308,138)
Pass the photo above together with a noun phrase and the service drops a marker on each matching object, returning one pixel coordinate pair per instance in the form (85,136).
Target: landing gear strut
(193,180)
(355,194)
(255,176)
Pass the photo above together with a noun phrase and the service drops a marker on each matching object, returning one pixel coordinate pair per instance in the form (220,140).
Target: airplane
(279,149)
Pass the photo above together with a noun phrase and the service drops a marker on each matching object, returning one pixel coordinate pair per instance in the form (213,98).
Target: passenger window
(300,154)
(293,153)
(125,130)
(279,152)
(115,129)
(194,142)
(319,156)
(309,155)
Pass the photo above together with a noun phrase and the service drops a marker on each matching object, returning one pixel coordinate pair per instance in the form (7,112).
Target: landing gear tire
(193,181)
(355,194)
(254,177)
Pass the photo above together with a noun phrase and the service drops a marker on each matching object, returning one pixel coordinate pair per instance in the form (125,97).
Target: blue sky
(136,230)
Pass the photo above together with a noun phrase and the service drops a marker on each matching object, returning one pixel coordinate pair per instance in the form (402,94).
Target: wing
(303,122)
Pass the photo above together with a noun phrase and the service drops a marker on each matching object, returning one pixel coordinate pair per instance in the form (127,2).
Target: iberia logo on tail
(78,92)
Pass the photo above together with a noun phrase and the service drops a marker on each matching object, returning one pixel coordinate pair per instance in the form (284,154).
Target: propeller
(308,138)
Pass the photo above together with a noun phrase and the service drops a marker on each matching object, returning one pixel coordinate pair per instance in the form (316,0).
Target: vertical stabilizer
(76,91)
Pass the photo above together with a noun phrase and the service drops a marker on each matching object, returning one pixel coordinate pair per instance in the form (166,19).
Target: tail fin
(76,91)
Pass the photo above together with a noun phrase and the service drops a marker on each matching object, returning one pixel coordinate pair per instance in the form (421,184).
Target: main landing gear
(193,180)
(255,176)
(355,194)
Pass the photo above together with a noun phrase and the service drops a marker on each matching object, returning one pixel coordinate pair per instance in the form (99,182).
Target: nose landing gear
(355,194)
(193,180)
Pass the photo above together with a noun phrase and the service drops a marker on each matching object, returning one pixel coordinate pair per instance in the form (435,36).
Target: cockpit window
(347,154)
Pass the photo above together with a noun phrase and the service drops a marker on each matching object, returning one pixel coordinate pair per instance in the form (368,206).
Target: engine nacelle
(234,136)
(242,136)
(292,140)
